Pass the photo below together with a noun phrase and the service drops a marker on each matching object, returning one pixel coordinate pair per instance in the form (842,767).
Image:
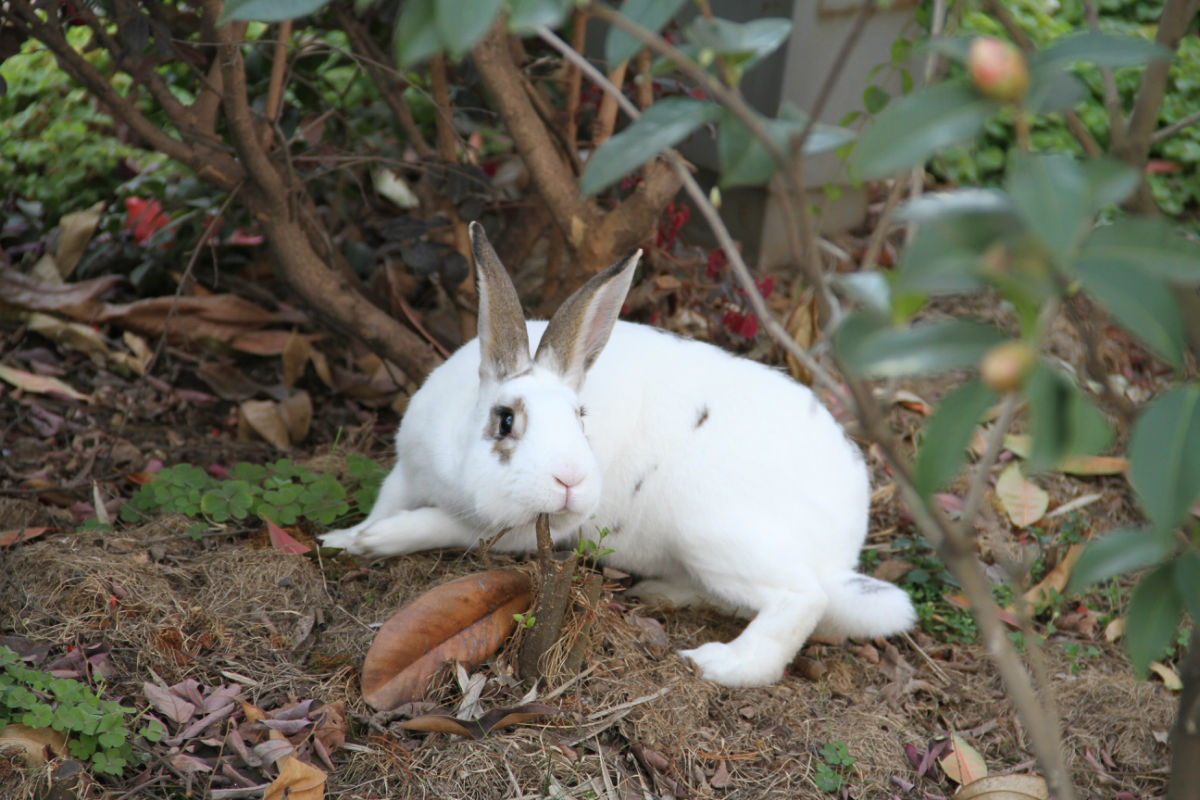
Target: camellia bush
(1052,234)
(1060,239)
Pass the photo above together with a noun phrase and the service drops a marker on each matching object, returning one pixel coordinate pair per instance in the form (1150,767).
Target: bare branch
(387,80)
(1168,131)
(1118,130)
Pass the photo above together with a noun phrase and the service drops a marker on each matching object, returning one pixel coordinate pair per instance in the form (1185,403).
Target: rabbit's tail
(863,607)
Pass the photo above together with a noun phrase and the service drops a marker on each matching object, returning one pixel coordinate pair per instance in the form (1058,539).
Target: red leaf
(282,541)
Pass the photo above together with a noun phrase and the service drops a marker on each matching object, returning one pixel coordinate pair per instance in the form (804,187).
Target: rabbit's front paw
(341,539)
(730,665)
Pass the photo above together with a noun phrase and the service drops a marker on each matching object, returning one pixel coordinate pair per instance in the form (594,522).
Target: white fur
(761,507)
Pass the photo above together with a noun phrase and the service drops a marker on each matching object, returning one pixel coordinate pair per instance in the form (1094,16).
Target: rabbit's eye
(504,421)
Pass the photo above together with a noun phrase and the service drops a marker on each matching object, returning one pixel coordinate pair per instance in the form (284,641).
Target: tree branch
(206,161)
(388,82)
(553,179)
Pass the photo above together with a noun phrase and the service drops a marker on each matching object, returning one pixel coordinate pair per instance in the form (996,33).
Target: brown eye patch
(505,425)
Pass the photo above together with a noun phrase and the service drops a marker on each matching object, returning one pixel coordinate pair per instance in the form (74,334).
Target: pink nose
(570,480)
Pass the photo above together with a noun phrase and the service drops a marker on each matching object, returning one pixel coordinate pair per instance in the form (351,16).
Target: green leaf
(1145,244)
(743,44)
(1187,583)
(1164,456)
(875,99)
(947,434)
(744,159)
(1102,49)
(1065,422)
(1153,615)
(415,37)
(870,289)
(650,14)
(1052,197)
(526,15)
(1143,304)
(946,255)
(869,346)
(1053,89)
(911,130)
(462,23)
(1111,181)
(664,125)
(1119,552)
(268,10)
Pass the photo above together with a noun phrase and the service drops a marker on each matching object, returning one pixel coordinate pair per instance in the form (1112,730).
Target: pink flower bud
(997,69)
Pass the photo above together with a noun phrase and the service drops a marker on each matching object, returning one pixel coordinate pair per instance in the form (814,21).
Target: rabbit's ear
(580,328)
(503,340)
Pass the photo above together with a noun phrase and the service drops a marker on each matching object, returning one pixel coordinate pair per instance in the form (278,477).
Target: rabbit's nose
(569,480)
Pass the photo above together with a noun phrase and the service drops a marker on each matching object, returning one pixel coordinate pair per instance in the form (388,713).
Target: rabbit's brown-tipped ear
(503,340)
(580,328)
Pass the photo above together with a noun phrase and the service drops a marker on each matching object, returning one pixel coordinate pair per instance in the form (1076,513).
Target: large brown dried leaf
(297,781)
(1055,580)
(77,300)
(297,414)
(963,764)
(75,232)
(294,356)
(263,417)
(218,316)
(1005,787)
(464,620)
(73,335)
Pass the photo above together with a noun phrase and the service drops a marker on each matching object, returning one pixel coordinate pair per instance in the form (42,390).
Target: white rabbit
(718,478)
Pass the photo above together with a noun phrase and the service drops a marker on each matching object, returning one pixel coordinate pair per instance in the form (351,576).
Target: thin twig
(1168,131)
(1118,129)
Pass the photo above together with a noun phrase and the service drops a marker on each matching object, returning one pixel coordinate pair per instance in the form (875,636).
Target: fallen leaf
(1114,630)
(494,720)
(297,781)
(294,356)
(963,764)
(75,232)
(1005,787)
(1019,444)
(912,402)
(76,300)
(1024,501)
(721,778)
(18,535)
(1055,580)
(651,630)
(168,703)
(1076,504)
(271,342)
(1007,617)
(39,384)
(1094,465)
(282,541)
(803,326)
(297,412)
(39,744)
(464,620)
(892,569)
(263,417)
(73,335)
(223,317)
(1170,677)
(227,381)
(98,503)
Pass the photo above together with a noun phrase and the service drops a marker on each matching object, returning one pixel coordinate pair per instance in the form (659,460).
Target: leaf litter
(285,629)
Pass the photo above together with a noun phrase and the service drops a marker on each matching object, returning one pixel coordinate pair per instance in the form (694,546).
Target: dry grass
(636,719)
